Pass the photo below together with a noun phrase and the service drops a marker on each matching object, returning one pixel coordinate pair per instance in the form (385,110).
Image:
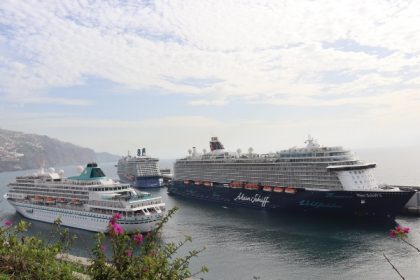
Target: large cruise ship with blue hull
(312,179)
(141,171)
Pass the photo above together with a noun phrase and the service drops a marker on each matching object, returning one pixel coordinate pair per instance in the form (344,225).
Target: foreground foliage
(28,257)
(133,256)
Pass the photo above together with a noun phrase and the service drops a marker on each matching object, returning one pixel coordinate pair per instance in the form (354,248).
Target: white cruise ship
(141,171)
(87,201)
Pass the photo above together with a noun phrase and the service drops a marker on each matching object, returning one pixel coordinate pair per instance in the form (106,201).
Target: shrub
(28,257)
(137,257)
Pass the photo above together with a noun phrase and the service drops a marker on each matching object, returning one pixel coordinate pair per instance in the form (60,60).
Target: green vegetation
(134,256)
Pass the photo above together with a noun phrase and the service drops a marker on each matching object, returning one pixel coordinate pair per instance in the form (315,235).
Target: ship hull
(83,219)
(386,204)
(142,182)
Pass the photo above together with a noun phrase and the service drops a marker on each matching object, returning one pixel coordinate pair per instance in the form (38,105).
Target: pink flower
(7,223)
(103,248)
(117,229)
(115,218)
(399,232)
(129,253)
(138,238)
(392,233)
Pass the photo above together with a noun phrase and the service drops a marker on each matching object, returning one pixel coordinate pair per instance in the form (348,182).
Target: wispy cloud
(363,56)
(231,49)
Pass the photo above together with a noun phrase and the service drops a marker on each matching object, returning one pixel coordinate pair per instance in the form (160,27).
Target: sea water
(251,244)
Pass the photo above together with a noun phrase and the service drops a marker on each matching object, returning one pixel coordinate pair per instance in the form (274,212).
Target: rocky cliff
(28,151)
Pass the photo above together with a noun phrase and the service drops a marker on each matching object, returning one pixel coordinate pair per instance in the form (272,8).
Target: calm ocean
(246,243)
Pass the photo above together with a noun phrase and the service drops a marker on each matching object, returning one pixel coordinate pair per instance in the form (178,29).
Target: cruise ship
(311,179)
(141,171)
(87,201)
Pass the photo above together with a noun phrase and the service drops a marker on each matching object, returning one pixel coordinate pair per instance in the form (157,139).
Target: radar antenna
(311,142)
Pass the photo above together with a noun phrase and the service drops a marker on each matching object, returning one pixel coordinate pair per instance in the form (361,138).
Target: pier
(413,205)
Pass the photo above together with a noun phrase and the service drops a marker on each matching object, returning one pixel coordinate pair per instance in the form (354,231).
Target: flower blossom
(138,238)
(117,229)
(115,218)
(129,253)
(399,231)
(7,223)
(103,248)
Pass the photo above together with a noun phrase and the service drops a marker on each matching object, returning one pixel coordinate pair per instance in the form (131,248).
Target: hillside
(28,151)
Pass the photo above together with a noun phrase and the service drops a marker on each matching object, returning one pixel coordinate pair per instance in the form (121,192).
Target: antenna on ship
(311,142)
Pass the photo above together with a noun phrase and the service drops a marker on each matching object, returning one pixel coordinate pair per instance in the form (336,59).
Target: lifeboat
(186,182)
(38,198)
(197,182)
(50,200)
(290,190)
(278,189)
(61,200)
(236,185)
(250,186)
(76,201)
(207,184)
(267,188)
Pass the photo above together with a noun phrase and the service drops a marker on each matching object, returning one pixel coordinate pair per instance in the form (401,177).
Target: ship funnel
(250,150)
(139,152)
(215,144)
(189,152)
(194,151)
(238,151)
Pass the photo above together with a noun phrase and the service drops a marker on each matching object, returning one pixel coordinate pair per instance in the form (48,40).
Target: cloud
(306,53)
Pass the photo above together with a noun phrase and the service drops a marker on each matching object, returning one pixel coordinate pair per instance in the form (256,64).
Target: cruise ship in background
(313,179)
(141,171)
(87,201)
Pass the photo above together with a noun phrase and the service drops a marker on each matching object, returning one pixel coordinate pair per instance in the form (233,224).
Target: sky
(168,75)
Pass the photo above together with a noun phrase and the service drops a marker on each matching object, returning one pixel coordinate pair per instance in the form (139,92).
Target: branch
(402,277)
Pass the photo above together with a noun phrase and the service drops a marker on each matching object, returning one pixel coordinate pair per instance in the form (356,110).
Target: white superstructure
(87,201)
(310,167)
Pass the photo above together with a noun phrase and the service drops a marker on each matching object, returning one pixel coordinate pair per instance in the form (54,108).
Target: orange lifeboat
(251,186)
(38,198)
(207,184)
(278,189)
(290,190)
(50,200)
(76,201)
(267,188)
(236,185)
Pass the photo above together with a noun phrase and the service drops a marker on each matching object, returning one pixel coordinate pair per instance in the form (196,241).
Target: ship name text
(317,204)
(253,199)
